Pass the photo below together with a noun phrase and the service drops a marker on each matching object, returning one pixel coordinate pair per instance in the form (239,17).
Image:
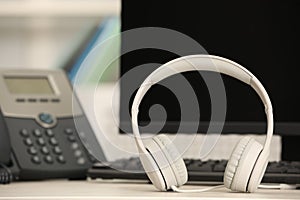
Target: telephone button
(45,150)
(48,159)
(43,100)
(28,142)
(53,141)
(31,100)
(46,118)
(81,161)
(57,150)
(19,100)
(68,131)
(61,159)
(49,133)
(24,132)
(32,151)
(41,141)
(71,138)
(74,145)
(55,100)
(37,133)
(36,160)
(77,153)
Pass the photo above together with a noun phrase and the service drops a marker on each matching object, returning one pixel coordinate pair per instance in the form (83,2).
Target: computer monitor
(262,36)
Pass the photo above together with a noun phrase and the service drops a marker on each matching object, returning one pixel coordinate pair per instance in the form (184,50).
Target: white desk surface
(62,189)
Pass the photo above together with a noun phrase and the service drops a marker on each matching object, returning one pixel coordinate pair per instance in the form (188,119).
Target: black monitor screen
(262,36)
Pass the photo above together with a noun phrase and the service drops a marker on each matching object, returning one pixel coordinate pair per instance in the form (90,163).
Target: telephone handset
(39,138)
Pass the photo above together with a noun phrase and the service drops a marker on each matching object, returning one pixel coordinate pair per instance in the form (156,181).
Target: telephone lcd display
(28,85)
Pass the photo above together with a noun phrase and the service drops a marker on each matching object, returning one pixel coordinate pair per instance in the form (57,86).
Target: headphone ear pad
(172,155)
(170,168)
(241,163)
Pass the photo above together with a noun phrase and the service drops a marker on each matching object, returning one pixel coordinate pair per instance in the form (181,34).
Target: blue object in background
(106,28)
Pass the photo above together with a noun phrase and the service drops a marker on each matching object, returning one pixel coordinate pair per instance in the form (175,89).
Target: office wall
(46,33)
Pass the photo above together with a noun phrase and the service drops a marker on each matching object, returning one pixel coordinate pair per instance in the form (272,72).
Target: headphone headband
(202,63)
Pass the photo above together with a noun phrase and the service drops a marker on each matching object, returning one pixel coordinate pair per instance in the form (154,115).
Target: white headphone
(160,158)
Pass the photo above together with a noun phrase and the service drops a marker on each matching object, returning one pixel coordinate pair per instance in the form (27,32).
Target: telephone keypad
(43,146)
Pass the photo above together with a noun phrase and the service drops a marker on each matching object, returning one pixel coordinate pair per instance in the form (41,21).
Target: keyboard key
(120,164)
(194,166)
(295,164)
(293,171)
(219,168)
(133,165)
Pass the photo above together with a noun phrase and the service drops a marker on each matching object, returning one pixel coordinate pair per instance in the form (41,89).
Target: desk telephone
(39,138)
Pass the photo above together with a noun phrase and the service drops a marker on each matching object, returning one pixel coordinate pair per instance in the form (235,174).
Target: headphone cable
(176,189)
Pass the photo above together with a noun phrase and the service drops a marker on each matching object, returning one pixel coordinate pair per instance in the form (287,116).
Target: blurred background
(51,33)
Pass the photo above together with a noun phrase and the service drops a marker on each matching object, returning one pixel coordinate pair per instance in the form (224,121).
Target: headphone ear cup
(175,160)
(241,163)
(152,170)
(170,168)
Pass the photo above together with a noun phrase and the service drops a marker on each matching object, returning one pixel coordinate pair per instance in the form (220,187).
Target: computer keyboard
(203,171)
